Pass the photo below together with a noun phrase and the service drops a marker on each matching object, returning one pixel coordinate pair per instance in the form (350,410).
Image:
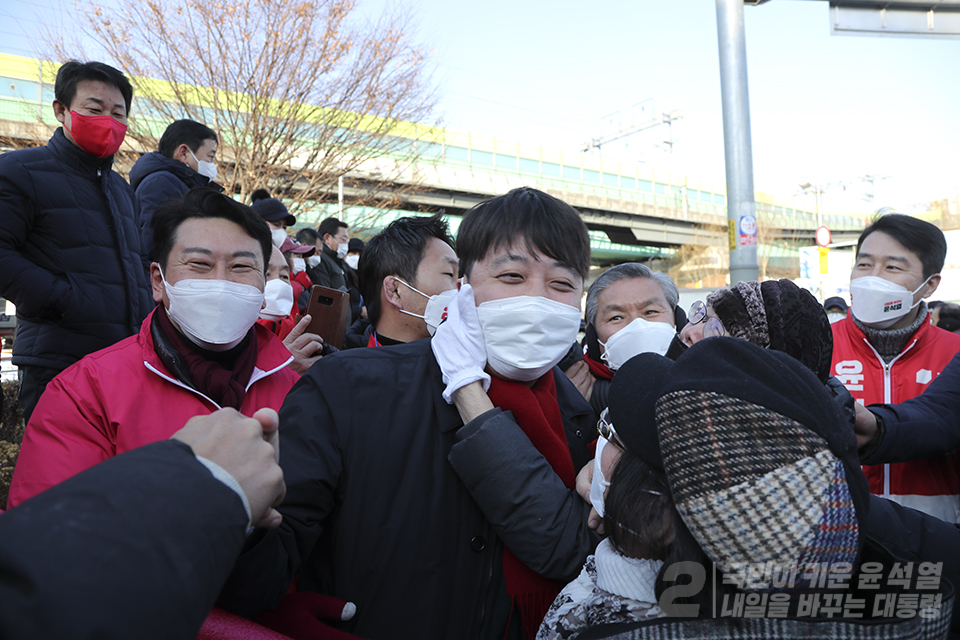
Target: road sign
(823,236)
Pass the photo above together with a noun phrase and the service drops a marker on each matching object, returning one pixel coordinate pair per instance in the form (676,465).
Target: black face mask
(677,348)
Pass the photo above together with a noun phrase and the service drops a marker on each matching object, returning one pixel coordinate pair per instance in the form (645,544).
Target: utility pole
(666,118)
(817,190)
(737,146)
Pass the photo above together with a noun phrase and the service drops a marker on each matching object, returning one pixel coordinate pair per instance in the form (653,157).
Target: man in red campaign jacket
(198,351)
(886,350)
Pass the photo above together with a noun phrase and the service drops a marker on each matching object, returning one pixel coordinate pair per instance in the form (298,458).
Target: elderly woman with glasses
(778,315)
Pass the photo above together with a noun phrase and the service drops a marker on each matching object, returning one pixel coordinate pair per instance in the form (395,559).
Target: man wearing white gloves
(432,483)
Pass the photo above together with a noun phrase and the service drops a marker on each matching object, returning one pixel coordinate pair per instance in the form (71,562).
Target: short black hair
(331,226)
(639,510)
(205,204)
(546,224)
(308,237)
(186,132)
(396,251)
(642,521)
(918,236)
(74,72)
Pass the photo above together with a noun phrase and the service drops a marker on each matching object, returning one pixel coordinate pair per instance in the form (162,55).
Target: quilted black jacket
(69,253)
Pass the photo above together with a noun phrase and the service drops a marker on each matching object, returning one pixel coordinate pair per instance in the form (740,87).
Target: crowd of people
(463,465)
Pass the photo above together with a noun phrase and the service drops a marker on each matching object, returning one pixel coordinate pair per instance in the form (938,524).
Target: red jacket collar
(271,353)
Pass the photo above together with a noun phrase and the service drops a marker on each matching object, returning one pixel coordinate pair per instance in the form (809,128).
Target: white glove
(458,345)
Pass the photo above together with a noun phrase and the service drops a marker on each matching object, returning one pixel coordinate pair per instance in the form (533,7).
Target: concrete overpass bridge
(632,211)
(638,211)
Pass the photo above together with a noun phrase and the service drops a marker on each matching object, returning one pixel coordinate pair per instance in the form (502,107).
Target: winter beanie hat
(741,311)
(760,462)
(632,405)
(778,315)
(272,210)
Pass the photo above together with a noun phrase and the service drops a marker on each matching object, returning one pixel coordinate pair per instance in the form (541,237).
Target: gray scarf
(890,342)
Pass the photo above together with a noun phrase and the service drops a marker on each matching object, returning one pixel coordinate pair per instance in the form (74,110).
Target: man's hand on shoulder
(582,379)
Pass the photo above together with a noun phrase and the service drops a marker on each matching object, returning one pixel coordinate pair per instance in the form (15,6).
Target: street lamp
(818,191)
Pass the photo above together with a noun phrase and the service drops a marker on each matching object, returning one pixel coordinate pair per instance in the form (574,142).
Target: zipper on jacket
(887,394)
(888,399)
(486,587)
(179,384)
(258,374)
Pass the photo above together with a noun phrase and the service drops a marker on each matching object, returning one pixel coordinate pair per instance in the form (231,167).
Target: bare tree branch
(300,93)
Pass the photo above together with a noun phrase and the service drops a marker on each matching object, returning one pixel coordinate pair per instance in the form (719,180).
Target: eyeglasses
(713,326)
(606,430)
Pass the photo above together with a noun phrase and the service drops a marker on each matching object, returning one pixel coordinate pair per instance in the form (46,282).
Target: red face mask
(99,136)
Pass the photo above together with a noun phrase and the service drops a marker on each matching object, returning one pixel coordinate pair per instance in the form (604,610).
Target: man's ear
(931,286)
(182,153)
(391,292)
(156,282)
(60,111)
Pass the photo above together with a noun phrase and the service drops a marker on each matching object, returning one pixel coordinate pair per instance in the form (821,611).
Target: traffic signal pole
(737,149)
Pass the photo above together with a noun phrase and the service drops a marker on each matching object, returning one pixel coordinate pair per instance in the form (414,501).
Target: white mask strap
(411,287)
(423,317)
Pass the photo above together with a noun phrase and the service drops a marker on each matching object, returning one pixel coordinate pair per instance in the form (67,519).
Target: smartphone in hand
(328,309)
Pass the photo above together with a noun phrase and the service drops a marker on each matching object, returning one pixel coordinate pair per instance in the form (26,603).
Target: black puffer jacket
(143,509)
(409,509)
(358,335)
(329,272)
(157,179)
(69,253)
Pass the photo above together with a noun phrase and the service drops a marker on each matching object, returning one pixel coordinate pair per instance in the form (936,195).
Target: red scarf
(226,387)
(598,369)
(536,411)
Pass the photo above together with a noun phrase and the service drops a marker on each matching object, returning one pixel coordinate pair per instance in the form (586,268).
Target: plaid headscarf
(760,462)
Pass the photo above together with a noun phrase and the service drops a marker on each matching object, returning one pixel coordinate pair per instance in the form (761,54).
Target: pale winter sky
(824,108)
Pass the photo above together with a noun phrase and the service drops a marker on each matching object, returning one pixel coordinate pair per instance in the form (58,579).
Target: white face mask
(353,261)
(436,309)
(215,314)
(879,303)
(278,236)
(313,261)
(299,264)
(278,296)
(204,168)
(599,484)
(836,316)
(526,336)
(640,336)
(342,249)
